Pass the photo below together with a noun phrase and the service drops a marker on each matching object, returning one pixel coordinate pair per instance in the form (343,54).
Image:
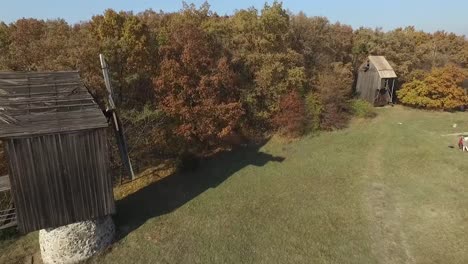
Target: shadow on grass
(175,190)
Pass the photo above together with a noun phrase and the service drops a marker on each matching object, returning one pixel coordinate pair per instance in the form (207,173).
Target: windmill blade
(105,73)
(117,125)
(122,144)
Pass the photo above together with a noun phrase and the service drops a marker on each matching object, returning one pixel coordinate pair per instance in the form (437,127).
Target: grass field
(386,190)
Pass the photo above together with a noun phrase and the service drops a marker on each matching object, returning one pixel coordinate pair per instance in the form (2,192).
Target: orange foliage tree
(292,117)
(197,87)
(441,89)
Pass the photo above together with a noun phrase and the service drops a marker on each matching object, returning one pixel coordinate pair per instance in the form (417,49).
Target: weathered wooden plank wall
(368,83)
(59,179)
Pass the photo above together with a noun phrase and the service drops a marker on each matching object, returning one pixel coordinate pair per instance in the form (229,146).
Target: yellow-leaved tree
(440,89)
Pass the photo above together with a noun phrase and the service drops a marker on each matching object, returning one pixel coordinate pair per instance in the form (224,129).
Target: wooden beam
(10,224)
(393,86)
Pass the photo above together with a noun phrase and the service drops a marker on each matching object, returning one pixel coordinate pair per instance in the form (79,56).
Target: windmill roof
(384,68)
(33,103)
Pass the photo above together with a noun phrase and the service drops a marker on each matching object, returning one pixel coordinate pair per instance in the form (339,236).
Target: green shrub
(362,108)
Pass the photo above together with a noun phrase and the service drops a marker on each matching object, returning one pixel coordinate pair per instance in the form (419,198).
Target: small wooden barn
(55,138)
(376,81)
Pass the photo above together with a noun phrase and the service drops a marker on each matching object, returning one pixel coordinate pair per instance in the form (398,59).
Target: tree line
(194,81)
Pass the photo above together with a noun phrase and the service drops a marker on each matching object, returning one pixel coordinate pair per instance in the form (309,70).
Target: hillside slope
(387,190)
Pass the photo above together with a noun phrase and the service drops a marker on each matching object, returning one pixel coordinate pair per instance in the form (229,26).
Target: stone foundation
(76,242)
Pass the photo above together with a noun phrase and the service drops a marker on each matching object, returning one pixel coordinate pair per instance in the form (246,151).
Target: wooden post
(393,86)
(105,73)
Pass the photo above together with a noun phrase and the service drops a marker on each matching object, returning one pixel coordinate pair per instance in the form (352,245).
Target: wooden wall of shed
(60,179)
(367,84)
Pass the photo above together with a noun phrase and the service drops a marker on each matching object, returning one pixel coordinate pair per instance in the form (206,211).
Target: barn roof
(33,103)
(383,67)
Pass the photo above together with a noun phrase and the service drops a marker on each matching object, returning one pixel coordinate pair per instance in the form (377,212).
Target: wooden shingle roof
(384,68)
(33,103)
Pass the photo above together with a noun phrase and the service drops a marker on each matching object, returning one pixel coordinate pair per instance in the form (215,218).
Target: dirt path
(389,242)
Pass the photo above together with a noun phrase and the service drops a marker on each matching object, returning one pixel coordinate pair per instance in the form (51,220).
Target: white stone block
(76,242)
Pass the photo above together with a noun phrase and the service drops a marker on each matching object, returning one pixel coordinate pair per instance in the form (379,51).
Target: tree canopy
(439,89)
(207,77)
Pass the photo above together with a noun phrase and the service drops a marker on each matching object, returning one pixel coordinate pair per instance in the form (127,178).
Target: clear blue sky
(429,15)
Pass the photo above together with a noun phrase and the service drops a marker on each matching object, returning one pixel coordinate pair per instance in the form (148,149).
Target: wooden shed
(376,81)
(55,137)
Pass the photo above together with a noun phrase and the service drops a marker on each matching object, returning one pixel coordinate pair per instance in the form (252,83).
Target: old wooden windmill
(55,138)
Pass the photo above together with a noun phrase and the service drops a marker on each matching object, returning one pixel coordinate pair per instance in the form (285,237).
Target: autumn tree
(333,88)
(320,42)
(272,68)
(441,89)
(291,119)
(366,42)
(25,52)
(131,53)
(56,40)
(206,76)
(327,50)
(197,87)
(4,45)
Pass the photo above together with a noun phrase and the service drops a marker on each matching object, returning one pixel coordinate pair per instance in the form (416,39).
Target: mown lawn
(386,190)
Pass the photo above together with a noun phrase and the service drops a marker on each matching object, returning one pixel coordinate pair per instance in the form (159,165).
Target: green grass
(377,192)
